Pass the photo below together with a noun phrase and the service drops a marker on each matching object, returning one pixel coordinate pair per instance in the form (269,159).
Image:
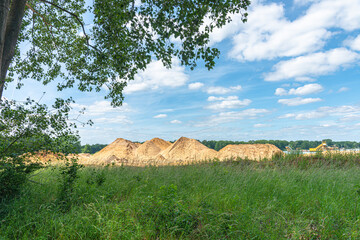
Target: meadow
(290,197)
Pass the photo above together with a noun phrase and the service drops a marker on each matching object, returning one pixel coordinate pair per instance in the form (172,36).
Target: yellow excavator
(322,147)
(289,149)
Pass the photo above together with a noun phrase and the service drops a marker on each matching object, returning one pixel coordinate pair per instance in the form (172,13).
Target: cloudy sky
(291,72)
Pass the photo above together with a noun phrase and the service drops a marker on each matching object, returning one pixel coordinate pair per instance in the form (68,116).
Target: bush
(26,129)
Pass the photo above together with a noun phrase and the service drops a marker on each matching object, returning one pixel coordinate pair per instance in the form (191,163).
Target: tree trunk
(4,11)
(10,34)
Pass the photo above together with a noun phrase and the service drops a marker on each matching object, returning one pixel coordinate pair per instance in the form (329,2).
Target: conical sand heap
(120,151)
(152,147)
(146,153)
(249,151)
(184,151)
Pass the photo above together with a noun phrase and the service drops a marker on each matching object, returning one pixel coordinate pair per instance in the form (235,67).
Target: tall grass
(290,197)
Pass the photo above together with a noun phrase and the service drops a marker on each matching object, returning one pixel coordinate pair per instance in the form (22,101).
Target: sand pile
(83,158)
(51,157)
(121,151)
(160,152)
(249,151)
(150,149)
(185,151)
(45,156)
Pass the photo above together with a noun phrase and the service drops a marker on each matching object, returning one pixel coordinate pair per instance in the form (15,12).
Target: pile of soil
(45,157)
(119,152)
(185,151)
(83,158)
(160,152)
(249,151)
(150,149)
(54,158)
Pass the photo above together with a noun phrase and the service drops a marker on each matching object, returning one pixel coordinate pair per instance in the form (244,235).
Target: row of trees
(87,148)
(299,144)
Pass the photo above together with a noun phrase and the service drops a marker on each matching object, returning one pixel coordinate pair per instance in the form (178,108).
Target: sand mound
(249,151)
(151,148)
(83,158)
(54,158)
(184,151)
(121,151)
(45,156)
(160,152)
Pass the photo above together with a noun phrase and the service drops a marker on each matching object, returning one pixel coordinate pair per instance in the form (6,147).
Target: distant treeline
(93,148)
(299,144)
(217,145)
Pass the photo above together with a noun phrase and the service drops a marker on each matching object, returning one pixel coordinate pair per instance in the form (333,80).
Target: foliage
(124,38)
(168,213)
(96,176)
(69,174)
(92,148)
(226,200)
(13,175)
(299,144)
(27,129)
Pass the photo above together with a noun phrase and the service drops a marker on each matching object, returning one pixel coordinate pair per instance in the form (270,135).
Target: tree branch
(46,23)
(35,182)
(77,19)
(12,143)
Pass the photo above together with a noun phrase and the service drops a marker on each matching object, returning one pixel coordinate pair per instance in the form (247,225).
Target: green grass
(294,197)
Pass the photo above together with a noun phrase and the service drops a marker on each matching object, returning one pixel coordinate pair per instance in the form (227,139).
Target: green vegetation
(292,197)
(299,144)
(28,128)
(93,148)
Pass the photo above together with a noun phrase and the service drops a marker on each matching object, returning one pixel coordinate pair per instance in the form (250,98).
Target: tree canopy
(47,40)
(298,144)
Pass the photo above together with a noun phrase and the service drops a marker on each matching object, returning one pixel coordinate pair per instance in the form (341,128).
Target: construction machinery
(322,147)
(288,148)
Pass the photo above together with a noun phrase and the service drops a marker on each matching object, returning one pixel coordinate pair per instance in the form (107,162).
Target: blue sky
(291,72)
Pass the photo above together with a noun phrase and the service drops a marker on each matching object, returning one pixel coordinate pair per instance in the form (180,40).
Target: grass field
(294,197)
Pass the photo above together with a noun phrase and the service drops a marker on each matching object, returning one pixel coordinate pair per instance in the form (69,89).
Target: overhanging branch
(44,20)
(77,19)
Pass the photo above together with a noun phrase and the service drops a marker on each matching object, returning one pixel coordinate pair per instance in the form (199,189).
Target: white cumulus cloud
(157,76)
(354,43)
(344,113)
(223,90)
(281,92)
(269,34)
(175,121)
(230,102)
(195,85)
(298,101)
(300,91)
(312,65)
(160,116)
